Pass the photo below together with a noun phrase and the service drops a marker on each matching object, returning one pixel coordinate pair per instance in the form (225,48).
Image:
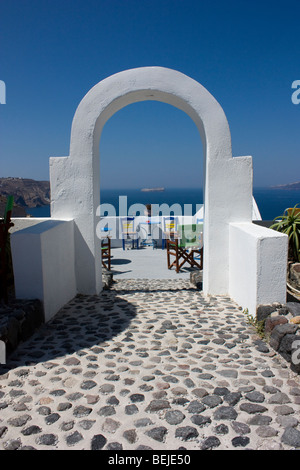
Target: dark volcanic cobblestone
(151,364)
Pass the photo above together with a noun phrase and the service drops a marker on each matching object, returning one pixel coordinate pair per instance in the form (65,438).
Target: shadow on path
(80,327)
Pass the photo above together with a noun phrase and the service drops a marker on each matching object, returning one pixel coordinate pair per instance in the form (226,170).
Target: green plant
(258,325)
(289,223)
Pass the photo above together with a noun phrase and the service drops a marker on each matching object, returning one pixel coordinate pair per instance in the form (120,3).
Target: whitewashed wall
(44,263)
(258,260)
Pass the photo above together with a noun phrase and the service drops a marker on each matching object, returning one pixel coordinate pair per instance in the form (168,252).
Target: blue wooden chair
(106,253)
(129,232)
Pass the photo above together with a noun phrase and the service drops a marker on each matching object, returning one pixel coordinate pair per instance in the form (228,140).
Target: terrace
(144,263)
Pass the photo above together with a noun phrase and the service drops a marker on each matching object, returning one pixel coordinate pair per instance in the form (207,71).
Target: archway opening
(75,180)
(232,244)
(151,154)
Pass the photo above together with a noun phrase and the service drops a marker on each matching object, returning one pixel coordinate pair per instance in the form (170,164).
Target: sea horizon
(271,201)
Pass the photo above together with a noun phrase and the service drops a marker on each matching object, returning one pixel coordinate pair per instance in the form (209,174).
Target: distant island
(150,190)
(26,193)
(288,186)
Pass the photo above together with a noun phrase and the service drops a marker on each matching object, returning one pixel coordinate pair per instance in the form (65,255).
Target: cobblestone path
(148,365)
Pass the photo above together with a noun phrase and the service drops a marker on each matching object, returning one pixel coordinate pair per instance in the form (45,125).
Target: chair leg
(177,260)
(168,258)
(109,254)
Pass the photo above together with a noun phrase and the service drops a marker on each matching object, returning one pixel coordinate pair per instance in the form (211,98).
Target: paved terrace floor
(144,263)
(148,364)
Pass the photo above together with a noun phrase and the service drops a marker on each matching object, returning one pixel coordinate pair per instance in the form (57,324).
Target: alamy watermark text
(296,94)
(2,92)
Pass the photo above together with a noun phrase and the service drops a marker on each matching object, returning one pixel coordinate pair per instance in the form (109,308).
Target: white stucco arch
(75,180)
(55,258)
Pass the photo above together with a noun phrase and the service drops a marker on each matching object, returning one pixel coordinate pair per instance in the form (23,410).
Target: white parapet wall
(20,223)
(115,228)
(258,265)
(43,263)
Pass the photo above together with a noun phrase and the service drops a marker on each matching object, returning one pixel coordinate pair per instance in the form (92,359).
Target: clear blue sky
(245,53)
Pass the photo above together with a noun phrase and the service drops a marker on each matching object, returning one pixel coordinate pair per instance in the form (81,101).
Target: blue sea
(271,202)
